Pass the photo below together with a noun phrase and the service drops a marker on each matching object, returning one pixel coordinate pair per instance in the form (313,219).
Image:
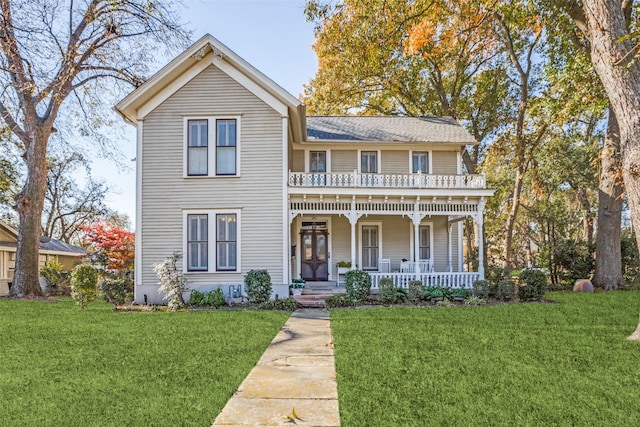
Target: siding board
(258,191)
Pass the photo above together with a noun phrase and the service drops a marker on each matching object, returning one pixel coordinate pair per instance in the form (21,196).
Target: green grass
(508,365)
(63,366)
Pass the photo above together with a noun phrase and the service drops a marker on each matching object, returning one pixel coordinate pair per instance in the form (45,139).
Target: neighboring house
(51,250)
(231,172)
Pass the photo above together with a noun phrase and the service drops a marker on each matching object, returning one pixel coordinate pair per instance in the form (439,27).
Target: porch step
(311,301)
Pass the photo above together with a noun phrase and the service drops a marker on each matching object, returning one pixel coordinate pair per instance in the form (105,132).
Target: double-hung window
(420,162)
(197,242)
(425,242)
(226,147)
(212,240)
(226,242)
(212,146)
(198,147)
(369,161)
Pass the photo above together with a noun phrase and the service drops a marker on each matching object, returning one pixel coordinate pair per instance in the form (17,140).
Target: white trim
(173,87)
(378,159)
(359,243)
(429,160)
(431,234)
(138,223)
(211,147)
(459,162)
(211,239)
(286,236)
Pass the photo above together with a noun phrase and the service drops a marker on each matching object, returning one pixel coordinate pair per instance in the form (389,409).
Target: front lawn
(63,366)
(527,364)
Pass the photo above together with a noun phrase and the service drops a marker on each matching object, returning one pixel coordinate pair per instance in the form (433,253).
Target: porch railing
(372,180)
(449,280)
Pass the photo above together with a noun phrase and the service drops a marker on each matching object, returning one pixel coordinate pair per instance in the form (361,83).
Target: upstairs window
(420,161)
(369,161)
(198,147)
(221,157)
(317,161)
(226,147)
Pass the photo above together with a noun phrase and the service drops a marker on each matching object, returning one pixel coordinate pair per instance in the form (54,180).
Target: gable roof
(50,246)
(204,52)
(387,128)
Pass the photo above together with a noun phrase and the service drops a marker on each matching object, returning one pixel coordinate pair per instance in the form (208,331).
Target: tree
(51,51)
(67,206)
(608,26)
(111,244)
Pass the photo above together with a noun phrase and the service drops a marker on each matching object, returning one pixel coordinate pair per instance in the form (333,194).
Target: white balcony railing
(450,280)
(372,180)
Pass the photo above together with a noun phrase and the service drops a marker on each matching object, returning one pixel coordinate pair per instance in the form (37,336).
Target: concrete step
(309,301)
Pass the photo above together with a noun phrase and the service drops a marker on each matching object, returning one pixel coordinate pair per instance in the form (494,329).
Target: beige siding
(341,241)
(258,192)
(297,161)
(344,160)
(455,247)
(394,162)
(5,236)
(444,162)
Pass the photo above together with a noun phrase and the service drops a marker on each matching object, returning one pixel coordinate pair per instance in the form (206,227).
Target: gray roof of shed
(387,128)
(53,245)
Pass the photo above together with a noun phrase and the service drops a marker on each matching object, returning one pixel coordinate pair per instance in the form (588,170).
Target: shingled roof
(387,128)
(52,245)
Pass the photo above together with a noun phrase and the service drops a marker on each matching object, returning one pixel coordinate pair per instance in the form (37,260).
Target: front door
(314,265)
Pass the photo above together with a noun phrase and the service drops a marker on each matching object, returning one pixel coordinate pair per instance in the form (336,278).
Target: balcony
(374,180)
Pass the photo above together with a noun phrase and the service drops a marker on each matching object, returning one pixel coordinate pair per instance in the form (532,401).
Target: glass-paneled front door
(314,244)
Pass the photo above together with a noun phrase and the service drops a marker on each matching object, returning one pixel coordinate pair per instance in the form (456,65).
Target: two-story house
(233,174)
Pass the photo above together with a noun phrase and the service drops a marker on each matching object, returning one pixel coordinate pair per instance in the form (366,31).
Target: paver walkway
(295,376)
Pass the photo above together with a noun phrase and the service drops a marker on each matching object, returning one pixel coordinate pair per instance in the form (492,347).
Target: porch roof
(387,129)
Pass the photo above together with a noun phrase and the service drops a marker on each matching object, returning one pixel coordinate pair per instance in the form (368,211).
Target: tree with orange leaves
(112,245)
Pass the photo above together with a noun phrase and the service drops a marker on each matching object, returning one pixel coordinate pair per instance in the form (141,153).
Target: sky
(271,35)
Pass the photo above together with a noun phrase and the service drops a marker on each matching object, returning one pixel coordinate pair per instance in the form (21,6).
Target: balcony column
(450,249)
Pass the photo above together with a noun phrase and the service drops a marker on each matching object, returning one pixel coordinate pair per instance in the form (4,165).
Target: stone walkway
(294,382)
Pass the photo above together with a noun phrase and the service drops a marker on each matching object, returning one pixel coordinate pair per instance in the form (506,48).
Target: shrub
(116,290)
(474,300)
(288,304)
(213,299)
(339,300)
(84,280)
(533,285)
(258,285)
(172,282)
(481,288)
(358,285)
(461,293)
(498,274)
(387,292)
(416,291)
(57,280)
(503,290)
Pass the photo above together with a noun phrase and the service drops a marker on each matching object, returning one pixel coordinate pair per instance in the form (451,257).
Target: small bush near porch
(62,366)
(516,364)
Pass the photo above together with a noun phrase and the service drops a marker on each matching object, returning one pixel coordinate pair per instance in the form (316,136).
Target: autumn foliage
(111,244)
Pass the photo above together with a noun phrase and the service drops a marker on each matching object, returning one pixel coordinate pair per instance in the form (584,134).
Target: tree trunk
(30,205)
(620,76)
(608,273)
(511,219)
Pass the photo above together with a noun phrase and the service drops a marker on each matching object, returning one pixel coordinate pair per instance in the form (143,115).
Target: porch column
(353,217)
(416,218)
(449,247)
(480,222)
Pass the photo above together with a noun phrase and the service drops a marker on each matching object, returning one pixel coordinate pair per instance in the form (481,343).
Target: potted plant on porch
(297,285)
(343,266)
